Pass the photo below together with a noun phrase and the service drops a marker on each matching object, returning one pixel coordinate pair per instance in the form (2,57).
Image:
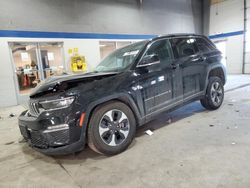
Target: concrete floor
(190,147)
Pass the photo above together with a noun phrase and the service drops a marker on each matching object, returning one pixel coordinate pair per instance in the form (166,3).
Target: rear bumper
(63,138)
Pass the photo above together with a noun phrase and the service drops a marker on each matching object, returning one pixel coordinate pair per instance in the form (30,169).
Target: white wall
(226,17)
(87,47)
(7,91)
(234,50)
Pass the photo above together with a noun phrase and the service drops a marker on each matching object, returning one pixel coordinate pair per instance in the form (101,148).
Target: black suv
(128,88)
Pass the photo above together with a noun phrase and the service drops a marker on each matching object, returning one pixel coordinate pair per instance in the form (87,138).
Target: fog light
(56,128)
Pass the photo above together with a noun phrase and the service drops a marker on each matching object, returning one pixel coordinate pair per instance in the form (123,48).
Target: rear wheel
(214,94)
(111,128)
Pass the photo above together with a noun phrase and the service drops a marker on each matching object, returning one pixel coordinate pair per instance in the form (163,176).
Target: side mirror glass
(149,60)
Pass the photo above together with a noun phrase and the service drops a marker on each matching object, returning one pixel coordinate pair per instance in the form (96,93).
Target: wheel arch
(219,72)
(124,98)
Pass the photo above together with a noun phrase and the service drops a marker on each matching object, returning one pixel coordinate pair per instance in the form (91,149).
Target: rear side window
(183,47)
(203,45)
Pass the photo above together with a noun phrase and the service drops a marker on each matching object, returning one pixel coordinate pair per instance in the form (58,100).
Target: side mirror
(149,60)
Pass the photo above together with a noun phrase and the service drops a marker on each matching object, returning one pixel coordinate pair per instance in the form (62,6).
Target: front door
(33,62)
(156,81)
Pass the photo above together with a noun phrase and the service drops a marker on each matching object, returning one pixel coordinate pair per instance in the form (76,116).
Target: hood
(57,84)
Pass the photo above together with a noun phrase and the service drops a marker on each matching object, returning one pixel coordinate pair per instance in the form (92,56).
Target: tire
(111,128)
(214,94)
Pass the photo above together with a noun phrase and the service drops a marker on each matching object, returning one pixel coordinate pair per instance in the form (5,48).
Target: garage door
(247,42)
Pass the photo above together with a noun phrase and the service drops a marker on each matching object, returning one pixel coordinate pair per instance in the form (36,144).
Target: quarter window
(203,45)
(183,47)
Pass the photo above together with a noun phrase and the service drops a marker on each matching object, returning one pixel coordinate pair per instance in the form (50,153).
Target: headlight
(56,104)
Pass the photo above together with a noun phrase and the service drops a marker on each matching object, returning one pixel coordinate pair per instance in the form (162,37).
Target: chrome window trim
(148,64)
(167,38)
(173,104)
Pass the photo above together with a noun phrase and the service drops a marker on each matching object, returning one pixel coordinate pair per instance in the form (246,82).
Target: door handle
(174,66)
(201,58)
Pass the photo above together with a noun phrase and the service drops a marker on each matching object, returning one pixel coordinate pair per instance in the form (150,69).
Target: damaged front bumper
(52,133)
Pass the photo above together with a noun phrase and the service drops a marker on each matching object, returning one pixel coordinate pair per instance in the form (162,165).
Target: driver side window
(161,49)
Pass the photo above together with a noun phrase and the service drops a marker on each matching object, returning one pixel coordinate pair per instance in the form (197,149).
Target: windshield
(121,58)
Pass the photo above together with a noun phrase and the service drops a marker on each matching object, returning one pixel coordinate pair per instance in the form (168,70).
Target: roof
(177,35)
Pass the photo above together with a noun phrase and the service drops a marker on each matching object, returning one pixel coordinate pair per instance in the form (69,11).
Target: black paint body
(147,90)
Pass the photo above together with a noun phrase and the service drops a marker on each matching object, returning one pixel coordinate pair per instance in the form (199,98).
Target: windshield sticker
(131,53)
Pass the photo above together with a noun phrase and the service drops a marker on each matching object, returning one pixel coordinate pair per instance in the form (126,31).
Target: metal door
(29,65)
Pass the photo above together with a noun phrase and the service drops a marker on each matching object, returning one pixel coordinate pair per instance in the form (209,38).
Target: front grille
(33,108)
(45,140)
(59,137)
(38,140)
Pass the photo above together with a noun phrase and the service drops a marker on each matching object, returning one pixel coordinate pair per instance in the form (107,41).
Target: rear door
(192,65)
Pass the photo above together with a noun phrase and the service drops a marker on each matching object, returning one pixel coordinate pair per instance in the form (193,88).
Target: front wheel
(214,94)
(111,128)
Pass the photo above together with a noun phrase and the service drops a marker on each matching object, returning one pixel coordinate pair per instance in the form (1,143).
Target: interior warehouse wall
(88,16)
(225,17)
(206,16)
(102,16)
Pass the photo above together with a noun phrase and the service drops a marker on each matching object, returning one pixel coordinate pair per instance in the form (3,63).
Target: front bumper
(67,138)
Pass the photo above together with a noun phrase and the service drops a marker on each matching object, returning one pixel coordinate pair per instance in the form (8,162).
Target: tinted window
(162,49)
(203,45)
(183,47)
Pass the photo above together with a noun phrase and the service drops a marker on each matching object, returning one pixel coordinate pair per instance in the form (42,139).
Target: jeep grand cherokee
(128,88)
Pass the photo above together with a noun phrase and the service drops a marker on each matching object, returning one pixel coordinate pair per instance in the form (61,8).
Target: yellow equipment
(78,63)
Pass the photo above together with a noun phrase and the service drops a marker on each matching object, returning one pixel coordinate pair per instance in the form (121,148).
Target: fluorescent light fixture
(102,45)
(24,56)
(190,41)
(51,56)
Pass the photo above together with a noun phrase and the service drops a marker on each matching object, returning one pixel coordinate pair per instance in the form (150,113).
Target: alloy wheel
(216,93)
(114,127)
